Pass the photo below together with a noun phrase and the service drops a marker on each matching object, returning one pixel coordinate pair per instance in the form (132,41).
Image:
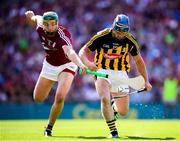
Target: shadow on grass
(80,137)
(123,138)
(148,138)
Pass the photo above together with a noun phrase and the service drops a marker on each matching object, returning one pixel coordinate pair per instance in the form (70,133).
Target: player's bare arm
(142,70)
(83,54)
(32,19)
(71,54)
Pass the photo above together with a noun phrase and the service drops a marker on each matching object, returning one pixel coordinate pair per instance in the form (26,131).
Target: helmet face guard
(121,23)
(121,28)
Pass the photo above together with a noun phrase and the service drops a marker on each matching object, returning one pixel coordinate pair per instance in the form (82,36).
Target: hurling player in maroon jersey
(60,63)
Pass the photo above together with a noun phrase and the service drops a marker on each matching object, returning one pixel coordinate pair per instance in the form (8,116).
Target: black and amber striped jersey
(112,53)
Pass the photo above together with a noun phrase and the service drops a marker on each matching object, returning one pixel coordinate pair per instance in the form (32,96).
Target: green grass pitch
(90,130)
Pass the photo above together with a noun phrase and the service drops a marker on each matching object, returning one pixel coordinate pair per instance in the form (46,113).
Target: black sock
(111,125)
(49,127)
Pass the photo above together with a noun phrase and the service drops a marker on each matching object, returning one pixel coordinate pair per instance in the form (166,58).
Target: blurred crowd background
(154,23)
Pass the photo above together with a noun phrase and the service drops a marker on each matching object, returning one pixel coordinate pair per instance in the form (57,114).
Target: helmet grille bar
(121,23)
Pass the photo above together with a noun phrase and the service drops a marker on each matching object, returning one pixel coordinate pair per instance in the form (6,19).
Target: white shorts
(115,86)
(52,72)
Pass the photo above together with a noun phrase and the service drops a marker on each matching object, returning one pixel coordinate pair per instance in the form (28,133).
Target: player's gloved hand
(148,86)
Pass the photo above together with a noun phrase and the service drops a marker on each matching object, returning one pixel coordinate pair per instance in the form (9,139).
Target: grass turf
(91,130)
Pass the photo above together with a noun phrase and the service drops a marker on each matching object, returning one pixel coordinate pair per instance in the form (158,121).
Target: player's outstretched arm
(141,67)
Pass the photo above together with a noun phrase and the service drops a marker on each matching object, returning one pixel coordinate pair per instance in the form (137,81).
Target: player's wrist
(82,66)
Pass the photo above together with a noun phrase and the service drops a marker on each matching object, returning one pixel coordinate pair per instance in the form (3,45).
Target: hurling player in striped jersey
(113,48)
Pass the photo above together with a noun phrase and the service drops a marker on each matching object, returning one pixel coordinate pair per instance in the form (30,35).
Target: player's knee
(123,112)
(38,99)
(105,99)
(59,98)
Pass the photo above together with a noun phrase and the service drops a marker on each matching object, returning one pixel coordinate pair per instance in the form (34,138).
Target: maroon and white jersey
(53,45)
